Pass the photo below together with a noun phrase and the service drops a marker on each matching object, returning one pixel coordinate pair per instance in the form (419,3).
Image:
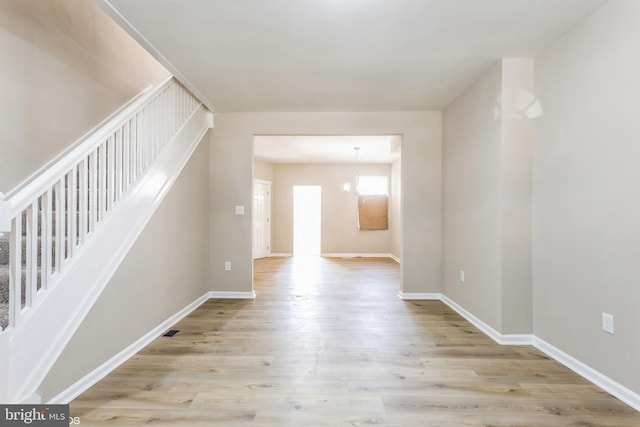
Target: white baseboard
(502,339)
(355,255)
(344,255)
(231,295)
(412,296)
(628,396)
(107,367)
(516,339)
(43,332)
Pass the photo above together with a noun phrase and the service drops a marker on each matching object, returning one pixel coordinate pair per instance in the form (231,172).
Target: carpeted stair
(4,270)
(4,280)
(4,277)
(5,253)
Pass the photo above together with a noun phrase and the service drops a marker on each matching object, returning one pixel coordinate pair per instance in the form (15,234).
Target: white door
(261,218)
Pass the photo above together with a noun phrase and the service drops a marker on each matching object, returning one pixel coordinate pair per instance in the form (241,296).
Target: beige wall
(471,199)
(586,211)
(518,109)
(262,170)
(65,67)
(231,179)
(487,198)
(339,211)
(581,173)
(395,220)
(165,271)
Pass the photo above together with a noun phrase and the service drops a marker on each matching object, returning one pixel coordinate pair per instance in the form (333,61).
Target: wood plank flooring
(327,342)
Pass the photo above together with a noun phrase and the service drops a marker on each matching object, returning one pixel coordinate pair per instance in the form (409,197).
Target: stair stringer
(30,349)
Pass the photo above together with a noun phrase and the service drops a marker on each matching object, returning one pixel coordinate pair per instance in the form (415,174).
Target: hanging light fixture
(347,185)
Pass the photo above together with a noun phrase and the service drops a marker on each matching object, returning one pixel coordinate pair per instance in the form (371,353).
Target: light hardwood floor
(327,342)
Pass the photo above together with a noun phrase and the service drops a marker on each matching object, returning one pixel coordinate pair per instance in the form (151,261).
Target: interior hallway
(327,342)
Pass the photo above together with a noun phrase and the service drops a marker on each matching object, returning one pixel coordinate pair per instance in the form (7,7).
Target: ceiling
(340,55)
(326,148)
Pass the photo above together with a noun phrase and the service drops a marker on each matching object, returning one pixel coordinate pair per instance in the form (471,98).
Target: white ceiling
(341,55)
(338,55)
(327,149)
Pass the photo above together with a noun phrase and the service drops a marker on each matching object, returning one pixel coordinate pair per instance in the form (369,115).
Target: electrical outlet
(227,266)
(607,323)
(462,275)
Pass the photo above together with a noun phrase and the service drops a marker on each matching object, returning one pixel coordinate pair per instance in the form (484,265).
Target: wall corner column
(518,109)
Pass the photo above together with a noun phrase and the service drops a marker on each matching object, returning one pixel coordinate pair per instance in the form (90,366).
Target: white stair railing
(51,216)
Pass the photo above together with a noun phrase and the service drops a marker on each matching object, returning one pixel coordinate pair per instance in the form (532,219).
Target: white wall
(165,271)
(65,67)
(339,211)
(231,179)
(586,208)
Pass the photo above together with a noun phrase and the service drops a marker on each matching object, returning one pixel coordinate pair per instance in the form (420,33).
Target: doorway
(306,220)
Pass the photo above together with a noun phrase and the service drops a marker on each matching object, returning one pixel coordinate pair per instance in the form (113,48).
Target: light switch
(240,210)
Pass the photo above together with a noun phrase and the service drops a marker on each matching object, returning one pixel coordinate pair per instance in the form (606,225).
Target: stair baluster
(50,217)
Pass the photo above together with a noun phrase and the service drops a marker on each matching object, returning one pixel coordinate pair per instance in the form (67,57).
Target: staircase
(4,277)
(64,232)
(4,281)
(41,254)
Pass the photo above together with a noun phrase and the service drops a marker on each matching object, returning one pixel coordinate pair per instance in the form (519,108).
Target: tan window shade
(373,212)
